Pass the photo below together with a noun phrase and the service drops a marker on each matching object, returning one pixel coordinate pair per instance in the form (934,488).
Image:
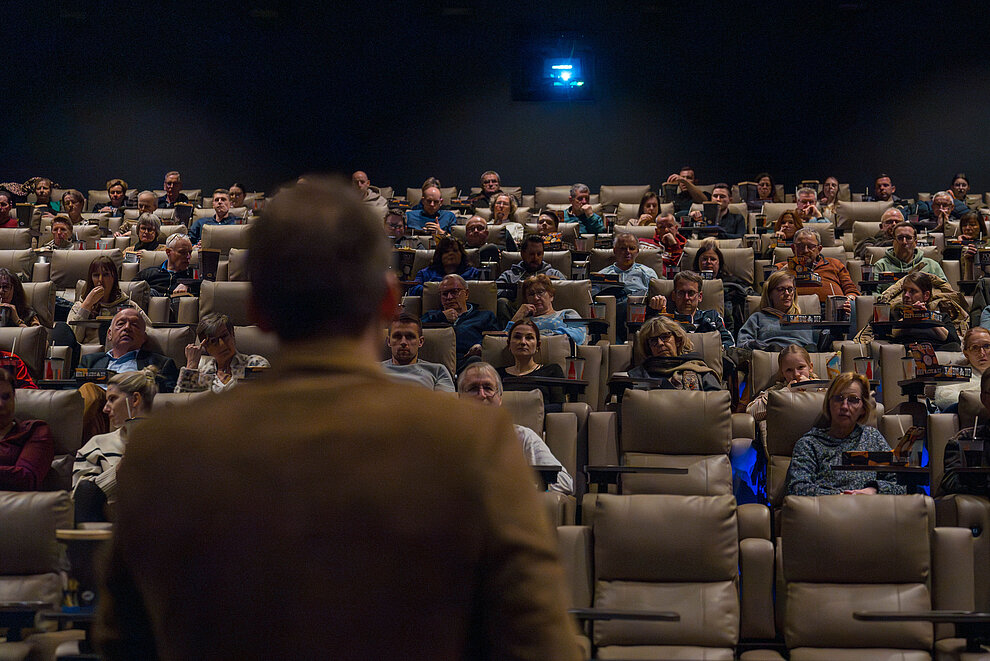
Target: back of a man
(325,511)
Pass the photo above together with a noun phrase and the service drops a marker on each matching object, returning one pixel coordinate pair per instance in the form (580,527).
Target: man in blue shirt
(469,322)
(221,215)
(431,217)
(581,211)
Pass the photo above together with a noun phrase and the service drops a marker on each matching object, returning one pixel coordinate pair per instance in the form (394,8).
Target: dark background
(262,91)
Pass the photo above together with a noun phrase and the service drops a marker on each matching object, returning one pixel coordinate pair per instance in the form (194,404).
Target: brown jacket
(836,280)
(327,512)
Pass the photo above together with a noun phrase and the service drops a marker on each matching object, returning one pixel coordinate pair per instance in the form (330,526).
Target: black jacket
(168,373)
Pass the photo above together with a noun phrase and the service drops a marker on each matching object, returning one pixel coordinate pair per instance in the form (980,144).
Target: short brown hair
(538,279)
(406,318)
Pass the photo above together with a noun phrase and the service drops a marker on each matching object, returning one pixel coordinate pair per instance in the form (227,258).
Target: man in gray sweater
(405,337)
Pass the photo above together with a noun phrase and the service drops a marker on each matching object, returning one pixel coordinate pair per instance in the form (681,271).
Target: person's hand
(525,310)
(659,302)
(696,215)
(194,352)
(970,251)
(919,305)
(433,227)
(181,289)
(474,351)
(93,298)
(867,491)
(813,212)
(669,240)
(451,314)
(779,236)
(676,178)
(14,318)
(847,306)
(799,379)
(107,209)
(586,210)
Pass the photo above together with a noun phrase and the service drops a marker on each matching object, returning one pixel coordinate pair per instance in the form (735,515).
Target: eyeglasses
(537,292)
(906,238)
(490,181)
(851,400)
(451,292)
(483,388)
(661,338)
(686,293)
(979,348)
(784,290)
(427,200)
(214,341)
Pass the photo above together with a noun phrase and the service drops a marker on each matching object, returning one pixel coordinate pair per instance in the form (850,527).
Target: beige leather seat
(138,290)
(40,296)
(763,369)
(237,269)
(700,557)
(875,253)
(790,415)
(847,213)
(782,254)
(29,343)
(171,342)
(829,548)
(253,340)
(568,231)
(738,261)
(611,196)
(807,304)
(70,266)
(167,400)
(225,237)
(15,238)
(63,411)
(521,216)
(721,243)
(544,196)
(229,298)
(414,195)
(602,257)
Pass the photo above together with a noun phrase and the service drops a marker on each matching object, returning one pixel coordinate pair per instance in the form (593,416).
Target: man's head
(454,293)
(5,206)
(480,381)
(405,337)
(890,217)
(721,194)
(127,332)
(178,251)
(476,232)
(942,203)
(687,292)
(432,199)
(332,278)
(147,202)
(667,223)
(395,224)
(360,181)
(805,198)
(547,223)
(883,188)
(62,230)
(221,203)
(172,185)
(491,183)
(807,242)
(905,241)
(688,173)
(532,252)
(580,195)
(625,247)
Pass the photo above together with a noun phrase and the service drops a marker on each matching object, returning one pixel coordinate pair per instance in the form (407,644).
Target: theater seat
(40,296)
(225,237)
(15,238)
(847,213)
(63,411)
(712,293)
(29,343)
(237,270)
(611,196)
(229,298)
(70,266)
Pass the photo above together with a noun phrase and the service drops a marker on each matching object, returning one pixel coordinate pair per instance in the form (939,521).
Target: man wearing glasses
(835,278)
(491,185)
(942,207)
(684,306)
(905,255)
(469,322)
(968,449)
(173,191)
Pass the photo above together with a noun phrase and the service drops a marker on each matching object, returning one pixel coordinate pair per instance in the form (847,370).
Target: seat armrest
(743,426)
(855,267)
(129,271)
(223,270)
(602,439)
(413,305)
(158,309)
(756,576)
(758,278)
(574,544)
(42,272)
(188,310)
(753,521)
(561,438)
(609,302)
(953,575)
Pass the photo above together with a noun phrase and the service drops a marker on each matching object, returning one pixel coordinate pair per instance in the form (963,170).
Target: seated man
(836,281)
(369,194)
(942,207)
(491,185)
(956,457)
(405,337)
(476,236)
(807,206)
(635,277)
(221,216)
(164,279)
(431,217)
(883,238)
(883,190)
(732,225)
(395,226)
(469,322)
(905,255)
(508,280)
(686,299)
(688,192)
(62,235)
(173,191)
(480,381)
(582,213)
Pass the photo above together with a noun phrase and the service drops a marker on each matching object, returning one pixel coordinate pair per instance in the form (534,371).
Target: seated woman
(448,257)
(670,358)
(763,329)
(148,234)
(237,195)
(734,290)
(976,347)
(784,229)
(73,204)
(793,366)
(524,342)
(829,197)
(766,191)
(503,208)
(839,429)
(102,297)
(43,193)
(916,292)
(649,209)
(117,192)
(14,310)
(973,234)
(538,292)
(94,472)
(26,447)
(223,366)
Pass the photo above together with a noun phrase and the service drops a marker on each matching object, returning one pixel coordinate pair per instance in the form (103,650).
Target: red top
(26,454)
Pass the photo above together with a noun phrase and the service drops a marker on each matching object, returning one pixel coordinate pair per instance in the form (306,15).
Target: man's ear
(422,340)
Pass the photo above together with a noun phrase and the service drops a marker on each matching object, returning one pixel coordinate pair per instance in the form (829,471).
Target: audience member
(73,204)
(94,472)
(669,238)
(794,366)
(221,216)
(62,235)
(369,194)
(14,309)
(669,357)
(26,446)
(905,255)
(395,226)
(148,233)
(8,217)
(431,217)
(734,290)
(237,195)
(102,297)
(164,279)
(688,192)
(127,338)
(481,381)
(828,198)
(339,423)
(504,213)
(731,225)
(884,190)
(405,339)
(491,183)
(784,229)
(686,298)
(448,257)
(530,264)
(223,366)
(942,208)
(524,344)
(635,277)
(763,329)
(835,278)
(117,192)
(885,237)
(581,211)
(469,321)
(43,197)
(915,291)
(147,202)
(766,191)
(976,348)
(649,209)
(807,206)
(173,191)
(538,293)
(976,440)
(476,236)
(839,429)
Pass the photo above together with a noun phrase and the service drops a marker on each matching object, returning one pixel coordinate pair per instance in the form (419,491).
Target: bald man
(369,194)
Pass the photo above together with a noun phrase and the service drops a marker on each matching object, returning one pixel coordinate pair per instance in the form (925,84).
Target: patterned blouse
(205,378)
